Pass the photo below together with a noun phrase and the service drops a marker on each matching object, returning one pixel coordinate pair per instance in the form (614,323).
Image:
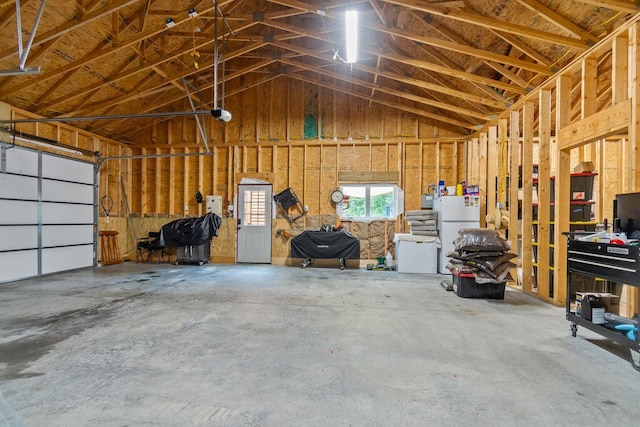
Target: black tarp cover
(325,244)
(190,231)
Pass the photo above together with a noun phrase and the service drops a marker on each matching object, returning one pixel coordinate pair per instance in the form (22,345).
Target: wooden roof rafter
(162,87)
(53,88)
(165,88)
(460,89)
(440,69)
(464,49)
(88,7)
(450,72)
(558,20)
(620,5)
(74,24)
(152,122)
(150,65)
(525,49)
(467,60)
(445,32)
(452,46)
(491,23)
(390,91)
(98,55)
(11,13)
(496,66)
(438,98)
(395,105)
(405,60)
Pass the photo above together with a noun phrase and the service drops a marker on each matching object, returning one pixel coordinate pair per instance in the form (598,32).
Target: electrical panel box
(214,205)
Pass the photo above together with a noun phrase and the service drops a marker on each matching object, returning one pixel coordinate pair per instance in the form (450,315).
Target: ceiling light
(193,13)
(170,22)
(351,21)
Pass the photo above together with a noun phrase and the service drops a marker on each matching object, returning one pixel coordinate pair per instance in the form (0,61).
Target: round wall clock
(337,196)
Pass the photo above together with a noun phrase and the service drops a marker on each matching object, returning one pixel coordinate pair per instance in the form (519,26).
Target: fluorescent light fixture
(351,21)
(170,22)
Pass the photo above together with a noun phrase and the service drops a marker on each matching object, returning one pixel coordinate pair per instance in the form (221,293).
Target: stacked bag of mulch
(422,222)
(483,253)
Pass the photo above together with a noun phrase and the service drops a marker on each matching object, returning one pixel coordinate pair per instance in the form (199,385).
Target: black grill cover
(324,244)
(190,231)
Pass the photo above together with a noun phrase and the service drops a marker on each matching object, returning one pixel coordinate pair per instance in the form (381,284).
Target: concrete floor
(259,345)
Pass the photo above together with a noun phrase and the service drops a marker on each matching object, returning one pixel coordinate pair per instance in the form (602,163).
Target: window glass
(255,205)
(369,201)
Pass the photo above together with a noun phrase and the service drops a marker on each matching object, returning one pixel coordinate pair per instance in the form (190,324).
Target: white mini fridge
(454,213)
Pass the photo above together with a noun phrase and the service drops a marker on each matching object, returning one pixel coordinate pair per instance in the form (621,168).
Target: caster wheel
(574,330)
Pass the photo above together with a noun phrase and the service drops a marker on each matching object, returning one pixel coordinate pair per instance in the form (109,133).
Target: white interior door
(254,223)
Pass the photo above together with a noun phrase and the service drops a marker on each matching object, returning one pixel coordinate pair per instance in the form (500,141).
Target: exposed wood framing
(514,162)
(544,195)
(493,159)
(528,112)
(588,126)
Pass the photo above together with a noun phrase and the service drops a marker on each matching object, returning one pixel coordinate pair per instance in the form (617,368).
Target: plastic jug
(442,190)
(388,260)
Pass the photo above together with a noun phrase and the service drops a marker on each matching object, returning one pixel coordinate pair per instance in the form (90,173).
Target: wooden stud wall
(588,112)
(311,168)
(288,132)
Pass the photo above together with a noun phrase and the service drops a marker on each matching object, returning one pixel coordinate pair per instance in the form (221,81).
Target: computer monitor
(626,213)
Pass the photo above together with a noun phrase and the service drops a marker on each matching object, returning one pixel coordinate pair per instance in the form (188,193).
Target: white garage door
(46,214)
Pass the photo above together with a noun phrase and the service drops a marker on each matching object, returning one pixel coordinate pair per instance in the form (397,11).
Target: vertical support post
(527,192)
(201,179)
(144,183)
(185,185)
(514,162)
(157,205)
(563,182)
(620,69)
(482,177)
(544,193)
(630,293)
(493,164)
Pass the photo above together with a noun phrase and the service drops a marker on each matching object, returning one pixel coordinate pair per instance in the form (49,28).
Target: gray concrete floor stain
(38,335)
(260,345)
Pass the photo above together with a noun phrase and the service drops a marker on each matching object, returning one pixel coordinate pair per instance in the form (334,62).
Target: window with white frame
(255,205)
(370,201)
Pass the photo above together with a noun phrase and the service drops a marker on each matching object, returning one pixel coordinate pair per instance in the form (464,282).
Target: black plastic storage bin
(580,183)
(465,286)
(580,211)
(551,212)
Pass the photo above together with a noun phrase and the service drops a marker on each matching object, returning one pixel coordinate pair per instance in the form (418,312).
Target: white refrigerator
(454,213)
